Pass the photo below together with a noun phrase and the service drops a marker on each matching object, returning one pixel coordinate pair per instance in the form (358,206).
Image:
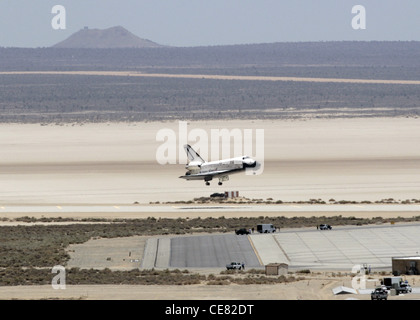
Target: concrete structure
(339,249)
(343,290)
(406,265)
(342,248)
(275,269)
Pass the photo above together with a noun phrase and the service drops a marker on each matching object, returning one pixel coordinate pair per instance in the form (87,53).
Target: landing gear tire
(207,183)
(220,183)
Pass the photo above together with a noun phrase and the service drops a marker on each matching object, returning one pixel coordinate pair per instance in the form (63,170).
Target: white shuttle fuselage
(198,169)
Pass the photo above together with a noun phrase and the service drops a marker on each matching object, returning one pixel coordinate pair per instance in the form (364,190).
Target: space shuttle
(199,169)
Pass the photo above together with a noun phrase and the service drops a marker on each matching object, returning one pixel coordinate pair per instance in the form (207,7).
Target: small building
(406,265)
(231,194)
(275,269)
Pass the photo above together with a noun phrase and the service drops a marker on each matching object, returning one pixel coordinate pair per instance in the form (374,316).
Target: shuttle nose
(249,163)
(252,167)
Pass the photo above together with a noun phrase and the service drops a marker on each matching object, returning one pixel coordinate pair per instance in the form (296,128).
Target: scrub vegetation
(61,98)
(38,245)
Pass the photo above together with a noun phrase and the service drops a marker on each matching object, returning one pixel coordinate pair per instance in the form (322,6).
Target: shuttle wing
(210,174)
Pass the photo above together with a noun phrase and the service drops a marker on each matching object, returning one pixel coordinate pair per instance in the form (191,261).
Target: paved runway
(212,251)
(337,249)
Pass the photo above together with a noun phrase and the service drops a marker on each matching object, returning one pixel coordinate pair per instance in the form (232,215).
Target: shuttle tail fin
(192,155)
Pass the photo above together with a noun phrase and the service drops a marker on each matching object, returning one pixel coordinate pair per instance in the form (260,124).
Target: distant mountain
(115,37)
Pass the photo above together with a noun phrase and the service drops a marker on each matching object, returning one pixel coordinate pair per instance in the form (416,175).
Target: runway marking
(211,207)
(116,207)
(2,208)
(59,207)
(255,250)
(281,248)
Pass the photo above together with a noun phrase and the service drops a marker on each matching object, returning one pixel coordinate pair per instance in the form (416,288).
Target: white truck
(379,294)
(392,282)
(398,284)
(266,228)
(234,265)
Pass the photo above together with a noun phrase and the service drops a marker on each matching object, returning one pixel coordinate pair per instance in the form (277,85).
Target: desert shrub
(256,271)
(218,282)
(45,245)
(305,271)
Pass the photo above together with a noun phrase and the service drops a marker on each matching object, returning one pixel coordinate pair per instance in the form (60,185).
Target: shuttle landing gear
(223,178)
(207,183)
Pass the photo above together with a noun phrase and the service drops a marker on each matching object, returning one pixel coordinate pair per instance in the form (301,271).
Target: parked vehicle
(404,288)
(234,265)
(217,195)
(379,294)
(398,284)
(325,227)
(242,231)
(392,282)
(266,228)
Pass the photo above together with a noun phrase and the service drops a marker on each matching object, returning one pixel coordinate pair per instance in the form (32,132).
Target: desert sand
(305,290)
(315,287)
(115,163)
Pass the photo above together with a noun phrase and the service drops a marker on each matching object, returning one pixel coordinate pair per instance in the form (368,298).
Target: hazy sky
(27,23)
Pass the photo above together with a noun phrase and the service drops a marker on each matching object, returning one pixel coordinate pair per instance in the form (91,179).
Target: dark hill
(115,37)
